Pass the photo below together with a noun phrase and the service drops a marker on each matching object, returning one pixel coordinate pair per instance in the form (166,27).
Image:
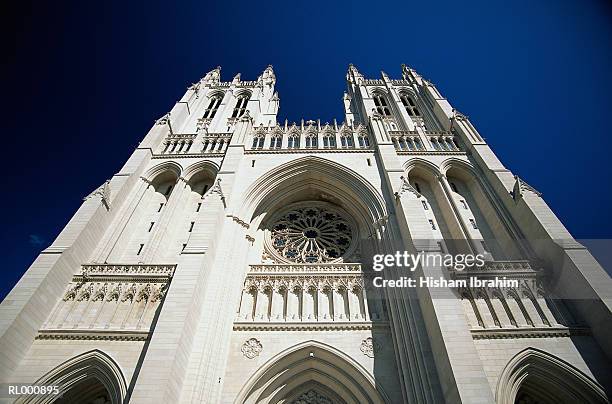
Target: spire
(267,77)
(408,73)
(213,76)
(236,78)
(353,75)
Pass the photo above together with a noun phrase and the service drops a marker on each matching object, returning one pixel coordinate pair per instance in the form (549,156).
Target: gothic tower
(230,261)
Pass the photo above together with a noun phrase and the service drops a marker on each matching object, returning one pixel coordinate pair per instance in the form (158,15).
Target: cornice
(93,335)
(319,326)
(436,153)
(307,151)
(186,155)
(539,332)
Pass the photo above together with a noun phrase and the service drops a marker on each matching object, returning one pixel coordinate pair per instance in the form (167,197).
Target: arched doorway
(537,377)
(311,372)
(90,378)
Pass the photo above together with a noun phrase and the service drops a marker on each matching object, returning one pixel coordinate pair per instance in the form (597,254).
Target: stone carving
(369,347)
(312,397)
(104,192)
(311,234)
(163,120)
(406,187)
(213,77)
(251,348)
(520,187)
(216,189)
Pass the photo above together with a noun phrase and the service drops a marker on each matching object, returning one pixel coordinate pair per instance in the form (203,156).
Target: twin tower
(230,261)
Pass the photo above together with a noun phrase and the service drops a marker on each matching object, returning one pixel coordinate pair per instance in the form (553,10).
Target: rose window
(311,234)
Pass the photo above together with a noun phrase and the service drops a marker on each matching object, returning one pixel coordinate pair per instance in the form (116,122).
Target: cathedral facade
(230,261)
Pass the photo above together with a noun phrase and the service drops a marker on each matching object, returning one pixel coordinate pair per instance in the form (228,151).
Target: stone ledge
(321,326)
(94,335)
(536,332)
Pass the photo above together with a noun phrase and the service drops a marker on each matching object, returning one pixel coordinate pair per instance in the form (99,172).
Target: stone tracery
(311,233)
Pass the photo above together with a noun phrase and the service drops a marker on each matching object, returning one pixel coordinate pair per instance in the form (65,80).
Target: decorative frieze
(539,332)
(311,326)
(92,335)
(130,272)
(304,268)
(115,299)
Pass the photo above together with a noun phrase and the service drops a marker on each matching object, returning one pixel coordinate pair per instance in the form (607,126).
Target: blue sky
(82,83)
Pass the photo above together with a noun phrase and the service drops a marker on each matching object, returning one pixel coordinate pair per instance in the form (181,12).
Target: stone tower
(229,261)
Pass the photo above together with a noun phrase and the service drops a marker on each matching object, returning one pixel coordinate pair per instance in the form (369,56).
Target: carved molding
(239,221)
(318,326)
(125,273)
(305,282)
(93,335)
(540,332)
(304,268)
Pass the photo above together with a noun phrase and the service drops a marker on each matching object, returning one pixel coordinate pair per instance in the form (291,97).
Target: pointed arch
(543,375)
(418,163)
(462,165)
(170,167)
(206,166)
(93,364)
(336,182)
(307,366)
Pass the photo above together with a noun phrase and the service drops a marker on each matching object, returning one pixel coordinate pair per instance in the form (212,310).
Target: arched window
(434,143)
(241,105)
(258,141)
(329,141)
(276,142)
(213,106)
(382,107)
(311,141)
(418,144)
(293,142)
(409,104)
(410,143)
(364,141)
(347,140)
(456,143)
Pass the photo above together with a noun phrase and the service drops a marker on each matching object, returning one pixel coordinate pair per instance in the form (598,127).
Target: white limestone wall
(240,368)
